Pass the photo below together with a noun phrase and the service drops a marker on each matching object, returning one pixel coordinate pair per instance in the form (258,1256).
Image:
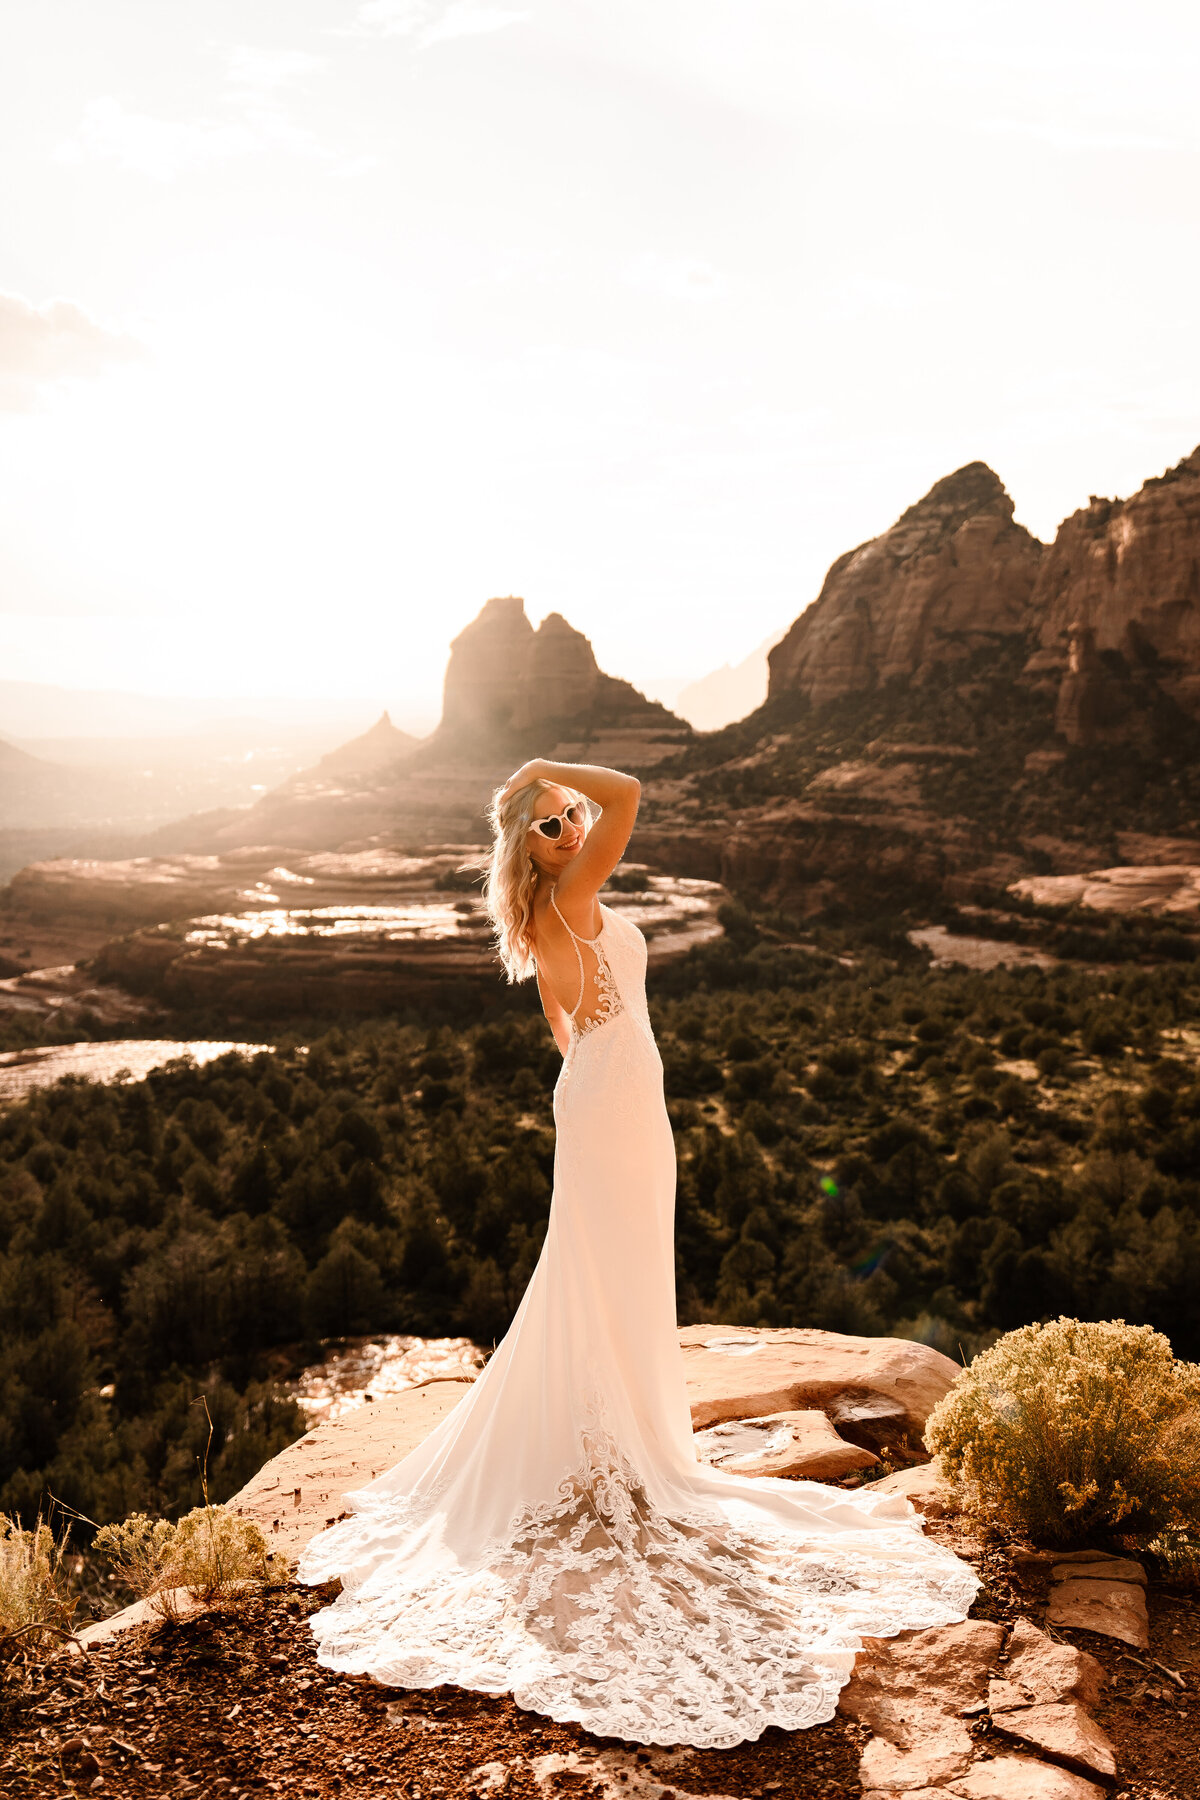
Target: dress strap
(578,955)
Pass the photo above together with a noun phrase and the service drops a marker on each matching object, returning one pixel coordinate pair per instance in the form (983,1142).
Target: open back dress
(555,1537)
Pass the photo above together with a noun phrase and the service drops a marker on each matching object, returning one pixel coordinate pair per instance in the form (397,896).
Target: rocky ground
(232,1703)
(1073,1675)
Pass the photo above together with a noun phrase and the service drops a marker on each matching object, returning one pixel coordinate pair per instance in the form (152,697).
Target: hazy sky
(321,321)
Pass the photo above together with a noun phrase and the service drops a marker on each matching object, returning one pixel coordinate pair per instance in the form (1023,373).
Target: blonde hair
(511,879)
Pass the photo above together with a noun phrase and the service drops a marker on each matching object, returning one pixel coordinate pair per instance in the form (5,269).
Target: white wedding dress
(555,1537)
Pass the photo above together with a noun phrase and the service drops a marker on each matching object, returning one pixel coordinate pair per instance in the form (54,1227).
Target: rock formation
(488,660)
(1117,607)
(375,749)
(785,1443)
(1168,888)
(982,1709)
(329,933)
(506,679)
(511,692)
(749,1374)
(1113,606)
(953,573)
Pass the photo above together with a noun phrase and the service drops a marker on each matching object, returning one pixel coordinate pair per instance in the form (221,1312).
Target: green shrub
(1069,1429)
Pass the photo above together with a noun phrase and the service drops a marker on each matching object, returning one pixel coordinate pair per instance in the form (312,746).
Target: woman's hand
(522,777)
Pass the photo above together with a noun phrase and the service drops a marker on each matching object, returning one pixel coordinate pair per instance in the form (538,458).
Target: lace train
(600,1609)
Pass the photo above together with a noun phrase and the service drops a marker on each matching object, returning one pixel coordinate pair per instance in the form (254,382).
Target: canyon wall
(1116,609)
(1111,610)
(953,573)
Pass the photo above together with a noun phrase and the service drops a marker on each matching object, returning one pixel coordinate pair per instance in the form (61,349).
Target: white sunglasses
(552,828)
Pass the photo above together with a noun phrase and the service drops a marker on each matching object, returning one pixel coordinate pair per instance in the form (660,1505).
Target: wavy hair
(511,879)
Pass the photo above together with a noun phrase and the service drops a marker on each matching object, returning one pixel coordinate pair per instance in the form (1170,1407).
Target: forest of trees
(866,1148)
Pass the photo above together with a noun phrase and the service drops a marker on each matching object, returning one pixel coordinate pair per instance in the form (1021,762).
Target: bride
(555,1536)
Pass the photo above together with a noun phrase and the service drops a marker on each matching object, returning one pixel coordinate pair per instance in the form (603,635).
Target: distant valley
(962,713)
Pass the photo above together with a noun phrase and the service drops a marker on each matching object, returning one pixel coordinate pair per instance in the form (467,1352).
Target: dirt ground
(232,1703)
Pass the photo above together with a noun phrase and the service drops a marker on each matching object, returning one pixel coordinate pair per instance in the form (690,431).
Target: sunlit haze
(321,322)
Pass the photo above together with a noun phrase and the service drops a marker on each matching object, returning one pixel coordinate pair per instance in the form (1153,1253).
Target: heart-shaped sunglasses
(552,828)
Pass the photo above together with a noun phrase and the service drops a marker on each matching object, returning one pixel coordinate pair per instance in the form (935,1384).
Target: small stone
(1075,1556)
(925,1793)
(1046,1671)
(910,1691)
(1065,1732)
(1115,1609)
(1112,1568)
(1019,1778)
(489,1778)
(782,1444)
(925,1486)
(873,1421)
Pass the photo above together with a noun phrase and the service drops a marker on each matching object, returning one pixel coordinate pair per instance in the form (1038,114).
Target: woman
(555,1536)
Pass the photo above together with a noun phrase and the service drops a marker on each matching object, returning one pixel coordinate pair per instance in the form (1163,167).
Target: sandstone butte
(511,691)
(505,677)
(1112,607)
(952,573)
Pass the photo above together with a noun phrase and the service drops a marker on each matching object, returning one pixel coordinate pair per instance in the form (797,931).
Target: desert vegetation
(37,1604)
(1068,1430)
(988,718)
(864,1145)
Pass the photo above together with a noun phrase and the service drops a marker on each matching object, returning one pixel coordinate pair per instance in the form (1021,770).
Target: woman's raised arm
(615,793)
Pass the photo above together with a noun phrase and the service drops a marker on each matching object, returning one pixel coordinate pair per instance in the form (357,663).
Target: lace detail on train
(555,1537)
(598,1607)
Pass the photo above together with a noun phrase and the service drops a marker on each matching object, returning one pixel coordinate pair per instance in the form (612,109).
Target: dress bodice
(612,972)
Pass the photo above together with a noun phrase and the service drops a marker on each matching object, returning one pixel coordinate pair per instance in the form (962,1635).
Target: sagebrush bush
(1069,1429)
(209,1554)
(35,1604)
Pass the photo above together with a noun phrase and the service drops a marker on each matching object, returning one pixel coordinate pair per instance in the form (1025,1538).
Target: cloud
(868,296)
(161,148)
(434,21)
(266,71)
(1080,138)
(675,277)
(40,345)
(252,122)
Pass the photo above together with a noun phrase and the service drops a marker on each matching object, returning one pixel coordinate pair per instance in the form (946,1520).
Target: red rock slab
(785,1443)
(910,1691)
(924,1485)
(300,1491)
(1115,1609)
(1064,1732)
(1041,1670)
(1109,1568)
(743,1374)
(1020,1778)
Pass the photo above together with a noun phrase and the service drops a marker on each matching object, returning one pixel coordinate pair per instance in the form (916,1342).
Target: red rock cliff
(1117,605)
(952,573)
